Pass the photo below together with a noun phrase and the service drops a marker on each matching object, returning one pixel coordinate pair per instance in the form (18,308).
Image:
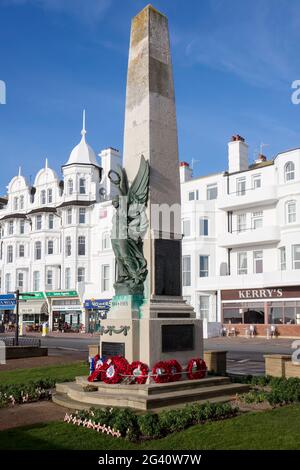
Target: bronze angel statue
(130,225)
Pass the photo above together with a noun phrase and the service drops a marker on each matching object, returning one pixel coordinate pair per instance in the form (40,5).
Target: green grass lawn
(59,373)
(275,429)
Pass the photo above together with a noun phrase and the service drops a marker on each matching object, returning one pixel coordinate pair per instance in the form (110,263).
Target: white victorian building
(55,240)
(241,244)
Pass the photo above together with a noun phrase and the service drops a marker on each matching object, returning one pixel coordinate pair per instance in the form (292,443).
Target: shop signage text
(66,308)
(97,303)
(7,302)
(32,295)
(66,293)
(260,293)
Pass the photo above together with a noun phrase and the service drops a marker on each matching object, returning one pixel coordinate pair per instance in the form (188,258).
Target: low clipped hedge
(274,390)
(24,393)
(34,390)
(126,423)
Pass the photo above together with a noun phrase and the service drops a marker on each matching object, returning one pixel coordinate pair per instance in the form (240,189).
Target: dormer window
(16,203)
(43,197)
(50,198)
(70,187)
(21,202)
(82,186)
(289,171)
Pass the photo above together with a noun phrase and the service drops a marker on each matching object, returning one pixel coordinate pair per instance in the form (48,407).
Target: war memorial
(151,343)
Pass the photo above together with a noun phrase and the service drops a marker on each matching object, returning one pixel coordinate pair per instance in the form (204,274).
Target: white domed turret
(82,153)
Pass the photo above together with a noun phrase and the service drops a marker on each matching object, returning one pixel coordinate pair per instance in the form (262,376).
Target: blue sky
(234,62)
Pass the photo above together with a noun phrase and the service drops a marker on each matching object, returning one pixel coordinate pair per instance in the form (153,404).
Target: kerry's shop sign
(260,293)
(265,293)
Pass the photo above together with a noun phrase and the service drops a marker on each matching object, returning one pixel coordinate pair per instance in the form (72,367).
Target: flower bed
(25,393)
(126,423)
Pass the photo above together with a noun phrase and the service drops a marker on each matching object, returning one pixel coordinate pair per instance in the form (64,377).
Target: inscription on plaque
(167,267)
(177,338)
(112,349)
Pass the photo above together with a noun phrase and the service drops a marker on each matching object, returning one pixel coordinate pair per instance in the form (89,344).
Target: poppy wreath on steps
(139,371)
(114,370)
(161,372)
(175,369)
(96,374)
(196,369)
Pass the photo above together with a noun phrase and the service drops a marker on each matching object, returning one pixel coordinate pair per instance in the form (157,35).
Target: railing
(11,341)
(247,229)
(243,192)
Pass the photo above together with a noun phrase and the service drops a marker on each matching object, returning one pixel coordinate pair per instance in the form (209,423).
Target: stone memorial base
(146,397)
(164,328)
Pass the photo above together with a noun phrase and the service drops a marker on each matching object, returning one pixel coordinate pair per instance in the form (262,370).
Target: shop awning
(33,307)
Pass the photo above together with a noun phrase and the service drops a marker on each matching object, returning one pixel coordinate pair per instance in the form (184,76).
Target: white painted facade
(254,216)
(55,235)
(60,229)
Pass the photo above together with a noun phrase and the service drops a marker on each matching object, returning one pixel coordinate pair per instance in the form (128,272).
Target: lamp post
(17,292)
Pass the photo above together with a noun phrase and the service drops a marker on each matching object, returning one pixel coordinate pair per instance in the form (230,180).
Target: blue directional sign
(7,302)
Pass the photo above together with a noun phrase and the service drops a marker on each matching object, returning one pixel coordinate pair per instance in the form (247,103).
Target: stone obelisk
(164,326)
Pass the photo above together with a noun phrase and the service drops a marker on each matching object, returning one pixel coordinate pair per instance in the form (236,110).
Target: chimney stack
(185,172)
(237,154)
(110,160)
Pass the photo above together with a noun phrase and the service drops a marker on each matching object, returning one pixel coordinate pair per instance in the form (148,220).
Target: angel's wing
(123,182)
(138,191)
(119,178)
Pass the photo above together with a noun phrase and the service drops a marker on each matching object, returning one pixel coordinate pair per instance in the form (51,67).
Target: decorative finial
(83,132)
(20,171)
(46,164)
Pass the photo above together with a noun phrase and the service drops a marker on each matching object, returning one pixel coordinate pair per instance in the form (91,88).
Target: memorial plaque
(112,349)
(177,338)
(168,267)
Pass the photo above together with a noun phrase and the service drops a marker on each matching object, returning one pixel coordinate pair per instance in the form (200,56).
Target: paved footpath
(29,414)
(246,355)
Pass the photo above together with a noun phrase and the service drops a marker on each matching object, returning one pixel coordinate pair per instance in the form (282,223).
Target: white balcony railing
(250,198)
(259,236)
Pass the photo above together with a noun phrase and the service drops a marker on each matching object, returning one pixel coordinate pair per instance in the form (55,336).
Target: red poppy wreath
(196,369)
(161,372)
(175,369)
(114,370)
(139,372)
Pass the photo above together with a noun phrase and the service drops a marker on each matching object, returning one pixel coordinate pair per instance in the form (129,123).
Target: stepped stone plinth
(146,397)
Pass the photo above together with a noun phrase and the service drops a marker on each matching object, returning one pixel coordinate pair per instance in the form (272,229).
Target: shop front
(66,311)
(96,310)
(263,307)
(7,312)
(33,310)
